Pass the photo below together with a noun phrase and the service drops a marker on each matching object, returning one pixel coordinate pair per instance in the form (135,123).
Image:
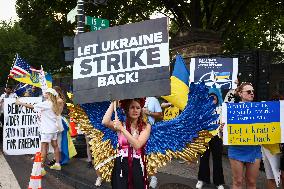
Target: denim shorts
(246,153)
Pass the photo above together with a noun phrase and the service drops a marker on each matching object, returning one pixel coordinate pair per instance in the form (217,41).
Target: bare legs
(252,170)
(56,150)
(44,149)
(251,173)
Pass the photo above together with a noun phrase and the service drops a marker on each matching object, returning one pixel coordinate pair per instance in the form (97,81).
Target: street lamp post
(81,13)
(80,16)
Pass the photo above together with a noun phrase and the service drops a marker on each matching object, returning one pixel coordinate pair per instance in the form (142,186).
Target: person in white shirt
(49,127)
(154,111)
(7,94)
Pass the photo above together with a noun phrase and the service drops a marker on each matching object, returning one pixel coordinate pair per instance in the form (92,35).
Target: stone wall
(195,43)
(197,49)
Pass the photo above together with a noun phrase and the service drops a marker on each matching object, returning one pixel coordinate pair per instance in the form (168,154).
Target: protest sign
(21,127)
(121,62)
(170,113)
(253,123)
(215,72)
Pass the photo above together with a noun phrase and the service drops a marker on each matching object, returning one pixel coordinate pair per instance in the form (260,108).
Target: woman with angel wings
(124,146)
(132,137)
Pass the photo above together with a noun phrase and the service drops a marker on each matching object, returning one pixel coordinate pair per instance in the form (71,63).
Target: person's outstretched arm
(24,104)
(107,117)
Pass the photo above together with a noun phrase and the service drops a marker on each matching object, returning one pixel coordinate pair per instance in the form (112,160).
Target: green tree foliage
(46,21)
(14,40)
(242,24)
(261,27)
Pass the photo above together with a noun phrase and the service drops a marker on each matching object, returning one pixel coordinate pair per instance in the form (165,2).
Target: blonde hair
(241,87)
(55,105)
(60,93)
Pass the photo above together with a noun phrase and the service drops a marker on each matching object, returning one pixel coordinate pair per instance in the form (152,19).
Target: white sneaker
(153,182)
(220,187)
(199,184)
(98,181)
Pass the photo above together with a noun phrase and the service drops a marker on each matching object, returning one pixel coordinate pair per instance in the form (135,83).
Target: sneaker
(199,184)
(153,182)
(52,162)
(182,161)
(98,181)
(43,172)
(220,187)
(56,166)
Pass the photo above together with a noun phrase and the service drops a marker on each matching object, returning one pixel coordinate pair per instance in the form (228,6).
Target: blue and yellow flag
(22,72)
(68,149)
(222,75)
(179,84)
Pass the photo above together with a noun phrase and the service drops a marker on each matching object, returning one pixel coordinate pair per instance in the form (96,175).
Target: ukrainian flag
(179,84)
(223,75)
(33,79)
(67,147)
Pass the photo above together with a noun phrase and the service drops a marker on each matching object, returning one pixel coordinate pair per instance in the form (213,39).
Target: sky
(8,10)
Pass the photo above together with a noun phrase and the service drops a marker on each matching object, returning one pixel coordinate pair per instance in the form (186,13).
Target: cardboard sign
(21,127)
(215,72)
(122,62)
(170,113)
(253,123)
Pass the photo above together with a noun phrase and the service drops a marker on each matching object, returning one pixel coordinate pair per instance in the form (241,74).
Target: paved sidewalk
(190,171)
(8,180)
(174,176)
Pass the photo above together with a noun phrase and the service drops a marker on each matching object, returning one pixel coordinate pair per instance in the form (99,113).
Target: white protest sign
(122,62)
(21,127)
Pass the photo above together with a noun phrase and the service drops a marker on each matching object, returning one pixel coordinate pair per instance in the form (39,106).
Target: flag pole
(42,78)
(15,59)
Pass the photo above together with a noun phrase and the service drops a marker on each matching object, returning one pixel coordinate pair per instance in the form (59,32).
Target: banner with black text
(21,127)
(121,62)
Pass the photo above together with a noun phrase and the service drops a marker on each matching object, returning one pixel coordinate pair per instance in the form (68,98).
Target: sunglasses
(249,91)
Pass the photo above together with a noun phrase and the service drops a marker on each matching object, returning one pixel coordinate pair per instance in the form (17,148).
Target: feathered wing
(103,141)
(183,137)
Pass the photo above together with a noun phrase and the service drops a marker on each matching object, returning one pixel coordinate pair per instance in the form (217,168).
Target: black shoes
(52,162)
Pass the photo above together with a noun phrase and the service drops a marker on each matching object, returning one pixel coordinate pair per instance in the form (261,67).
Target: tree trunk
(195,14)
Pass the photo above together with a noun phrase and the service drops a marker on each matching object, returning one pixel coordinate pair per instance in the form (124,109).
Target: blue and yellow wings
(103,141)
(182,137)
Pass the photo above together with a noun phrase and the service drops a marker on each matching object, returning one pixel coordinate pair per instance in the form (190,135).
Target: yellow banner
(170,113)
(254,134)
